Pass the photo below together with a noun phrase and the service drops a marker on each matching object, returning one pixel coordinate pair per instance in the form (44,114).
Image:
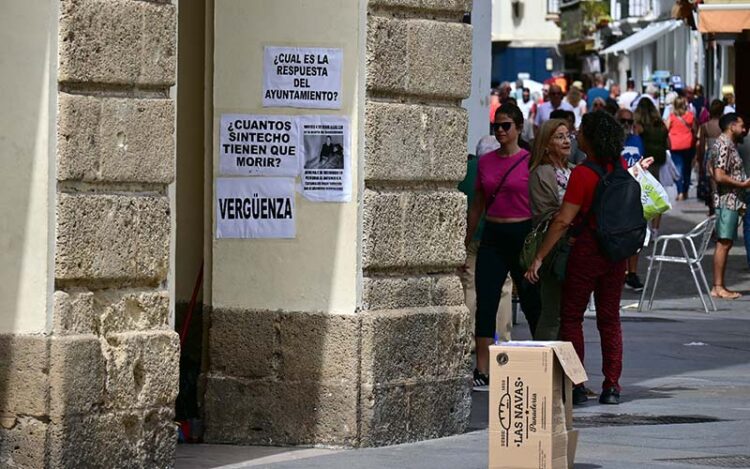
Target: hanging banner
(252,145)
(255,208)
(325,151)
(302,77)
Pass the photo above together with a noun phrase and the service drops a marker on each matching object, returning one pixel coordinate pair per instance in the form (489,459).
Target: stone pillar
(354,333)
(415,334)
(105,379)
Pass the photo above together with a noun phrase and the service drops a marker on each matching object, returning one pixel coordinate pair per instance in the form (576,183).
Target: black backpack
(620,226)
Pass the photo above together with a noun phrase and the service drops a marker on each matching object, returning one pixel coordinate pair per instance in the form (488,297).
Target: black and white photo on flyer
(325,154)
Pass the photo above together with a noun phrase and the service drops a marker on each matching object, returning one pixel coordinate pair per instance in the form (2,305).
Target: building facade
(524,39)
(351,333)
(646,36)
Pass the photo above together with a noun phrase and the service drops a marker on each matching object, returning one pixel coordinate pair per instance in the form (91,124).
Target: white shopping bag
(654,198)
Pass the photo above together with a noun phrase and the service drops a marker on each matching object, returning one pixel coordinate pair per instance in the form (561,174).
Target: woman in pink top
(682,130)
(502,190)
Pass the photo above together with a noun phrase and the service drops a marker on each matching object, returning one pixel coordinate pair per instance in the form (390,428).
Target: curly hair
(604,135)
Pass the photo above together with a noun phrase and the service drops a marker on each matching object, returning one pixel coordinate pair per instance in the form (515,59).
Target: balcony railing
(622,9)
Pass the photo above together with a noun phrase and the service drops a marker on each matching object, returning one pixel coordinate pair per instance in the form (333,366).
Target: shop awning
(643,37)
(723,17)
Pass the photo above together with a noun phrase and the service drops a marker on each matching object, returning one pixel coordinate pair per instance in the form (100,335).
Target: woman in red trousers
(588,270)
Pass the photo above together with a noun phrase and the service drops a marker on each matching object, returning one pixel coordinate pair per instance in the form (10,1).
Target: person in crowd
(576,101)
(549,174)
(633,152)
(614,95)
(707,135)
(486,144)
(576,156)
(627,98)
(699,102)
(525,104)
(494,104)
(727,92)
(555,102)
(652,94)
(588,269)
(729,199)
(682,130)
(598,91)
(502,194)
(655,136)
(505,91)
(599,105)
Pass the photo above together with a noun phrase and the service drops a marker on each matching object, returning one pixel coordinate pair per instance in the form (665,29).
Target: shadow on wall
(26,30)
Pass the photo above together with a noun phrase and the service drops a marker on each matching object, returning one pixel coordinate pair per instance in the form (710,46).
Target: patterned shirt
(724,155)
(562,175)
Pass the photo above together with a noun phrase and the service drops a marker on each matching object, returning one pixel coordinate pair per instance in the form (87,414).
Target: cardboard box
(531,409)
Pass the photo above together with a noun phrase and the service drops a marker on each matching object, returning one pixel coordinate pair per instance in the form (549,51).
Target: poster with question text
(302,77)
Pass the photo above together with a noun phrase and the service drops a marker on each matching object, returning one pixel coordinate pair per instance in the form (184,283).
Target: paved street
(680,364)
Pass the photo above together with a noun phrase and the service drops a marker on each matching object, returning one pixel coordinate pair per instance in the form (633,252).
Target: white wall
(317,271)
(28,59)
(477,104)
(530,30)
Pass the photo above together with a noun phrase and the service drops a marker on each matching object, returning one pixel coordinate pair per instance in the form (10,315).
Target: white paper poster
(325,151)
(252,145)
(255,208)
(302,77)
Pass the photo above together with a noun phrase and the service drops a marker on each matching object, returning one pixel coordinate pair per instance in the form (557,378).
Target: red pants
(589,271)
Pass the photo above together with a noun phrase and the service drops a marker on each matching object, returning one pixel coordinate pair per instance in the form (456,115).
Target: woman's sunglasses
(506,126)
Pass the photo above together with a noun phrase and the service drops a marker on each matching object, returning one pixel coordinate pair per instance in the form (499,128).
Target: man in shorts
(729,198)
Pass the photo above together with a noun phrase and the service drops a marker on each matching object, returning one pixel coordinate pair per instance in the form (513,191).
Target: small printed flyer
(251,145)
(254,207)
(302,77)
(325,152)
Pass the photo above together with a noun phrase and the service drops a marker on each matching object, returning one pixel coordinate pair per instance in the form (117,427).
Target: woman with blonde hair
(548,179)
(682,130)
(576,101)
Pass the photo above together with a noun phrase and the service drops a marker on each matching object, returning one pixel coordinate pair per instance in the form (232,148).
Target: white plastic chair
(693,246)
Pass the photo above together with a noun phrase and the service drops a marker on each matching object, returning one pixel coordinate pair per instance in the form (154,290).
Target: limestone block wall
(415,327)
(99,389)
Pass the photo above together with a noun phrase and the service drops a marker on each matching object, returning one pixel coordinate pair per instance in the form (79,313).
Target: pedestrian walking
(707,135)
(727,92)
(486,144)
(589,269)
(653,132)
(576,101)
(549,174)
(699,102)
(729,199)
(502,194)
(630,94)
(682,130)
(545,109)
(633,152)
(598,91)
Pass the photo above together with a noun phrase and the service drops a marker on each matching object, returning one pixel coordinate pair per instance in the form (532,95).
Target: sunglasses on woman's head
(502,125)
